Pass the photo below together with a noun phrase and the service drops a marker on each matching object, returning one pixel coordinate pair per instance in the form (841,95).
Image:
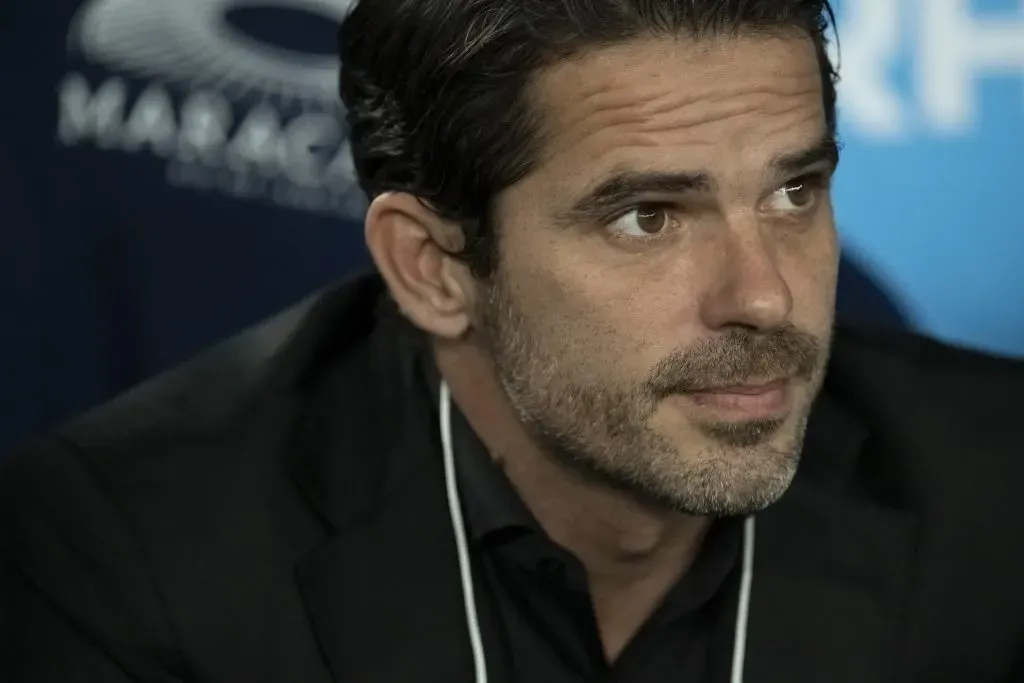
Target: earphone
(466,570)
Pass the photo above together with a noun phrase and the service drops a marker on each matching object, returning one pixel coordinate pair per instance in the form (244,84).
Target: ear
(408,242)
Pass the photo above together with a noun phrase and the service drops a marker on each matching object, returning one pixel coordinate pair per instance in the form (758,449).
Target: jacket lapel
(384,595)
(830,570)
(383,590)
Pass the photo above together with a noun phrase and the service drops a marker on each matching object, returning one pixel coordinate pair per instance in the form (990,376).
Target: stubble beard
(602,433)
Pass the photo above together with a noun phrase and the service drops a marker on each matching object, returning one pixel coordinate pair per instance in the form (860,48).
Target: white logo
(188,40)
(227,112)
(950,50)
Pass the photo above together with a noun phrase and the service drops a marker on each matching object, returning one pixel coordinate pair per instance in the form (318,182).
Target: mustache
(735,358)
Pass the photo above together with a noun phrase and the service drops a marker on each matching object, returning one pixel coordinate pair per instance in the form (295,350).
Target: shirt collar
(491,504)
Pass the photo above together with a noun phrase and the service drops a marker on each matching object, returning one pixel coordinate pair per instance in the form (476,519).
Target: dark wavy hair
(434,89)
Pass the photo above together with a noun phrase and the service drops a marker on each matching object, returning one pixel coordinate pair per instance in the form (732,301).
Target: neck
(632,552)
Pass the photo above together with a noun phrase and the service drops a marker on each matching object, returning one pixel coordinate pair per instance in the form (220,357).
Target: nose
(748,291)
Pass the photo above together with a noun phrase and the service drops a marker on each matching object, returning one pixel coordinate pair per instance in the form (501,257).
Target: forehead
(720,105)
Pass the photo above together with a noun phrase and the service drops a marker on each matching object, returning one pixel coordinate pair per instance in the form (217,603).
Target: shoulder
(943,424)
(73,503)
(917,379)
(231,390)
(83,509)
(944,446)
(188,420)
(917,352)
(158,430)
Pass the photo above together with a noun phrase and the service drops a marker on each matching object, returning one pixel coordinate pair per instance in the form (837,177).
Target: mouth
(752,400)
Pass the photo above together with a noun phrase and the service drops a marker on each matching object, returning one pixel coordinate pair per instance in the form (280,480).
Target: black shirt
(535,607)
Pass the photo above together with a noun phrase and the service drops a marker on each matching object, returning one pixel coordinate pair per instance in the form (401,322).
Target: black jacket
(275,511)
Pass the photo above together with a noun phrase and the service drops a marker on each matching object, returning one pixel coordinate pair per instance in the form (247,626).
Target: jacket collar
(382,590)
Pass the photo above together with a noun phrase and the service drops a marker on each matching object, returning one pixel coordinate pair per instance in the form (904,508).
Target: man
(589,422)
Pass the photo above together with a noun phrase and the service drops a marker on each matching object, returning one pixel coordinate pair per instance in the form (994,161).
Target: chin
(727,468)
(726,482)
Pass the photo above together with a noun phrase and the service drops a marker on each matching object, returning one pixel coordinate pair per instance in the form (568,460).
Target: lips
(752,400)
(751,389)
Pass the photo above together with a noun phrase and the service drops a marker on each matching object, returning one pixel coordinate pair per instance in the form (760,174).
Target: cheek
(578,314)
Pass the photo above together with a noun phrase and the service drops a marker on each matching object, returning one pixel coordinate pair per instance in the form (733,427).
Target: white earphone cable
(458,525)
(466,569)
(739,641)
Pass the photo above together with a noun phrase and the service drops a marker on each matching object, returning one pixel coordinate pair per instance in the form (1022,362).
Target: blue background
(937,215)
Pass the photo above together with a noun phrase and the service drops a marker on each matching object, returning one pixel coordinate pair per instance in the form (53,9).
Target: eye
(797,196)
(647,220)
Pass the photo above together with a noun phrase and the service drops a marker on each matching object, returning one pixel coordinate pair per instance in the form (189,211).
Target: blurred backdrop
(173,171)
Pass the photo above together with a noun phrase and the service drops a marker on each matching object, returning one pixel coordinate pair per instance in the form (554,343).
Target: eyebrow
(624,186)
(824,151)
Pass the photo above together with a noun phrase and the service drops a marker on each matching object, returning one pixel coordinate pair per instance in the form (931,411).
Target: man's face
(662,308)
